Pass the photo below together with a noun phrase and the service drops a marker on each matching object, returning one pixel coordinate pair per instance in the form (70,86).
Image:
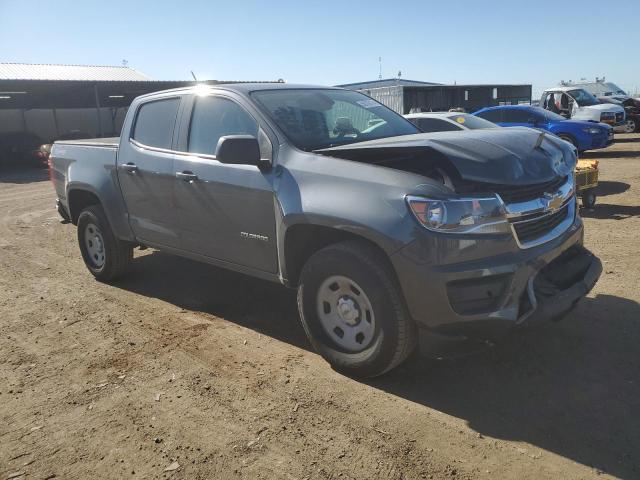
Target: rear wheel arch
(79,199)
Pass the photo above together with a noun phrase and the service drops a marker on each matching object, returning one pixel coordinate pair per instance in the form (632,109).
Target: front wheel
(106,257)
(589,199)
(353,311)
(631,125)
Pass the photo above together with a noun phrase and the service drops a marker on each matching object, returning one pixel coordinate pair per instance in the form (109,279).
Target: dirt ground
(186,363)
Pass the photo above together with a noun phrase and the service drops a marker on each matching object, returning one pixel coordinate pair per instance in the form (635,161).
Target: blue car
(583,135)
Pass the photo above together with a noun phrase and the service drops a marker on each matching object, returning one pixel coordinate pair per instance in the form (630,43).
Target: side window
(491,115)
(436,125)
(512,115)
(214,117)
(155,122)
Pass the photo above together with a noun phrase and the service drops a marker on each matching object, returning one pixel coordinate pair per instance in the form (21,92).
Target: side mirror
(238,150)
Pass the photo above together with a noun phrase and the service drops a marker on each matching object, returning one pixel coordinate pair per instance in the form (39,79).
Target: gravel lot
(186,363)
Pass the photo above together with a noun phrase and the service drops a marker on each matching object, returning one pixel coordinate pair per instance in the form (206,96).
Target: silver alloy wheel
(345,313)
(95,245)
(630,126)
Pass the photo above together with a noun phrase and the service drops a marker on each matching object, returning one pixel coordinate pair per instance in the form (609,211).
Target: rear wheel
(353,311)
(106,257)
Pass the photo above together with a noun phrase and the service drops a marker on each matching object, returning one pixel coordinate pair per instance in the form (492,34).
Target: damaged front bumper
(474,299)
(558,287)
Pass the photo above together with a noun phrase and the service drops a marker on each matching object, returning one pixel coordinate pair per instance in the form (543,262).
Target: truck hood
(604,107)
(573,123)
(508,156)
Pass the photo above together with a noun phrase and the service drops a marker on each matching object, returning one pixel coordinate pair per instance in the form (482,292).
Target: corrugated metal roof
(386,82)
(28,71)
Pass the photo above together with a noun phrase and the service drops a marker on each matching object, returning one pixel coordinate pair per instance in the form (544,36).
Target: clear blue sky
(332,42)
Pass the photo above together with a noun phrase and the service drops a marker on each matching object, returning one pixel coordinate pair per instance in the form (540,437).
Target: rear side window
(215,117)
(435,125)
(155,122)
(491,115)
(513,115)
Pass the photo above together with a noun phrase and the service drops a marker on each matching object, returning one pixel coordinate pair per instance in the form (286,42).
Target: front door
(145,173)
(226,212)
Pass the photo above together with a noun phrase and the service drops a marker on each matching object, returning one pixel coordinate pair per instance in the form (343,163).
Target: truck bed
(111,142)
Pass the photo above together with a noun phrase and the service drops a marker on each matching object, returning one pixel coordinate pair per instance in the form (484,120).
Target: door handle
(129,167)
(187,176)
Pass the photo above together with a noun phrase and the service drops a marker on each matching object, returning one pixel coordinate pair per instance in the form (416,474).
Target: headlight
(465,215)
(591,130)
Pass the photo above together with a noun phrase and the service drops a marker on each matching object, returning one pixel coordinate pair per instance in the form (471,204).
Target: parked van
(600,89)
(578,104)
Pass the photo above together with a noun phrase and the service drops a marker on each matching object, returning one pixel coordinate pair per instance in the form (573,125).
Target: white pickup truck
(578,104)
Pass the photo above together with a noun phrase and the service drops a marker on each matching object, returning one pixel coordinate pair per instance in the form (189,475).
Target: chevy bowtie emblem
(552,202)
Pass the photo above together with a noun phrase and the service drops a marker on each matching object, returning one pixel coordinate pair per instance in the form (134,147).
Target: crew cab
(391,237)
(583,135)
(579,104)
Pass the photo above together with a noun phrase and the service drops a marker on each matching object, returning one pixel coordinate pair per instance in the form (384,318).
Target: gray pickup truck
(392,237)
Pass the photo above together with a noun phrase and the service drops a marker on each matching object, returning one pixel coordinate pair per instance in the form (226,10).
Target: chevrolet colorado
(391,236)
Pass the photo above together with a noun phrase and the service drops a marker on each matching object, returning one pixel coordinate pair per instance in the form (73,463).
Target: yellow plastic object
(586,174)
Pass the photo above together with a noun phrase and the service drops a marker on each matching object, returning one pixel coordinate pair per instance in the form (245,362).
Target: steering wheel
(344,127)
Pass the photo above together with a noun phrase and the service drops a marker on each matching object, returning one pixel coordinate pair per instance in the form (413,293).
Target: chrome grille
(517,193)
(531,228)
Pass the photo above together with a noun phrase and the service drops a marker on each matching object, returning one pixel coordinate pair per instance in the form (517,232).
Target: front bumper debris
(558,287)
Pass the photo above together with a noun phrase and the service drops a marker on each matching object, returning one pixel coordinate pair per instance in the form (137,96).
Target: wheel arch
(79,198)
(302,240)
(569,135)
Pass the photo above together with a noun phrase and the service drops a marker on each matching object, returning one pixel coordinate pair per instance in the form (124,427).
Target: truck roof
(244,88)
(561,88)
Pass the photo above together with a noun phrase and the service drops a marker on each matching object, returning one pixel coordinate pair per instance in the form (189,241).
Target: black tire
(116,255)
(63,214)
(394,333)
(589,199)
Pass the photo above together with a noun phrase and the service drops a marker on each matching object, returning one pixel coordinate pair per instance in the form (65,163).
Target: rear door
(518,117)
(145,172)
(494,115)
(226,212)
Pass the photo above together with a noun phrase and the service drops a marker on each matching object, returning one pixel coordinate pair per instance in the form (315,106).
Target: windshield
(471,121)
(613,89)
(314,119)
(583,98)
(550,116)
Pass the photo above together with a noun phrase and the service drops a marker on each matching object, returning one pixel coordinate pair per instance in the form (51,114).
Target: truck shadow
(619,139)
(571,388)
(610,154)
(260,305)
